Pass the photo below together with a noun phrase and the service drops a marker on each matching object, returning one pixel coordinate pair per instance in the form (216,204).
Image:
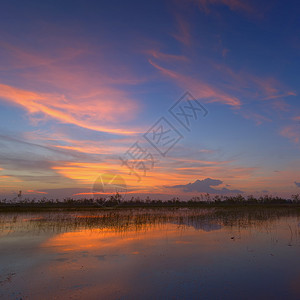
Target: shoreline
(61,208)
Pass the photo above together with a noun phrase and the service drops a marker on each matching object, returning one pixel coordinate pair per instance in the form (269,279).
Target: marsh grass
(141,219)
(116,202)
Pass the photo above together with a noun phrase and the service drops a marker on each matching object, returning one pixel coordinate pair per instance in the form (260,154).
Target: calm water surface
(151,254)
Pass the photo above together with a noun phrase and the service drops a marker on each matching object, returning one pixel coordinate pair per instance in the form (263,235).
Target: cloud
(183,34)
(166,57)
(227,85)
(297,184)
(256,87)
(205,186)
(292,133)
(84,113)
(17,58)
(199,88)
(234,5)
(30,162)
(34,192)
(280,105)
(55,84)
(259,119)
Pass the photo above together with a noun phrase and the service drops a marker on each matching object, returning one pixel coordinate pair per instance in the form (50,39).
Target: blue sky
(80,82)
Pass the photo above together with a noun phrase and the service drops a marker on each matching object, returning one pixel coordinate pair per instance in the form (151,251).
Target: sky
(86,85)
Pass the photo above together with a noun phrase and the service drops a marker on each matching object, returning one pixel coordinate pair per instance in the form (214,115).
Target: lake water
(229,253)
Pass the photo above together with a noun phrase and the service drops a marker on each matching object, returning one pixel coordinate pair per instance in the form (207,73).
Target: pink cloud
(166,57)
(183,34)
(80,94)
(17,58)
(291,132)
(265,88)
(88,113)
(35,192)
(257,118)
(234,5)
(281,105)
(199,88)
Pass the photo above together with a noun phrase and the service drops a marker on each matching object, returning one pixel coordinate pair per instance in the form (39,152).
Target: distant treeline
(118,200)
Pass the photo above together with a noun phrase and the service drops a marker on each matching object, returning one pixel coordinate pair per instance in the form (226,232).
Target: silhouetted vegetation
(118,201)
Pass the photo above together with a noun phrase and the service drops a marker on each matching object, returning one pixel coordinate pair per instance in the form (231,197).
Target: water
(151,254)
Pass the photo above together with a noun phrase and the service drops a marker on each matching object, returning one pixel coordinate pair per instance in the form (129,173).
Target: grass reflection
(142,219)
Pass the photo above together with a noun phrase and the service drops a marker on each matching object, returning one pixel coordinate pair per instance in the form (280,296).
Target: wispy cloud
(227,86)
(183,34)
(31,164)
(281,105)
(34,192)
(165,56)
(291,132)
(199,88)
(257,118)
(234,5)
(17,58)
(66,85)
(88,116)
(256,87)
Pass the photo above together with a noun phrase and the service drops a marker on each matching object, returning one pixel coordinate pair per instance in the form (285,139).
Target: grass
(126,219)
(116,202)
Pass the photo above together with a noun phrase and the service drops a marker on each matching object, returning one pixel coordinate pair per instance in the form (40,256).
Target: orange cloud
(35,192)
(9,178)
(87,173)
(198,88)
(248,179)
(161,176)
(79,112)
(280,182)
(84,94)
(100,193)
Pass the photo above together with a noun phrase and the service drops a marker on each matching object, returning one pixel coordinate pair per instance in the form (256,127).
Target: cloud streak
(183,34)
(199,88)
(107,108)
(292,133)
(233,5)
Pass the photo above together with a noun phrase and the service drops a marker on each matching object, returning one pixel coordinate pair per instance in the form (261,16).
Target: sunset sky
(82,81)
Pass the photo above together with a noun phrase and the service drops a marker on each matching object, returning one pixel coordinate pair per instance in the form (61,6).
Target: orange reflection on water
(158,255)
(95,239)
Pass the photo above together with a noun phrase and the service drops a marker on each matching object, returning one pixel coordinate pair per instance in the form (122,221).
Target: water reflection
(164,254)
(139,219)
